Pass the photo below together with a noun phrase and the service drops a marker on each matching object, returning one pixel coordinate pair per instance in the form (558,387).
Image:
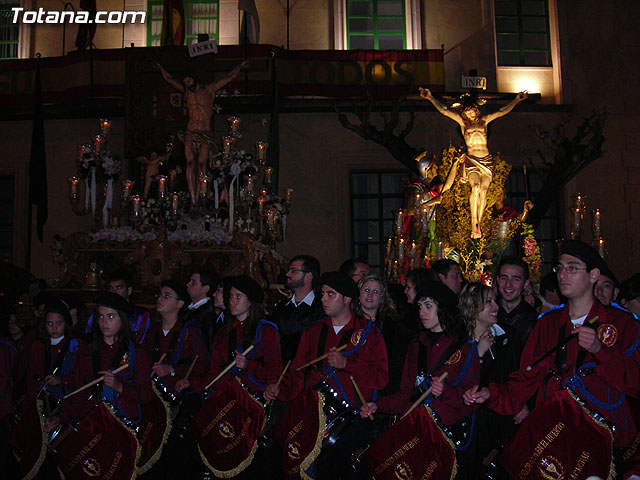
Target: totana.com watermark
(51,16)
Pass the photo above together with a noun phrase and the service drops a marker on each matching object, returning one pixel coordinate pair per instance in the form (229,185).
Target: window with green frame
(8,33)
(201,16)
(376,25)
(374,197)
(522,33)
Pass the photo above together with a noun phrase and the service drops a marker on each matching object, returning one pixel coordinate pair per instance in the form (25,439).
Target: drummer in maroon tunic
(263,363)
(442,346)
(113,346)
(602,367)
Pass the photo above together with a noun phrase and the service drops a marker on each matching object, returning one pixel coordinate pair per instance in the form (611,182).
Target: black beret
(438,291)
(249,287)
(341,283)
(115,301)
(584,252)
(179,289)
(55,305)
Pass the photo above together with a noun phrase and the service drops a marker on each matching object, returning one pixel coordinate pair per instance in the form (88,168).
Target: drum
(337,414)
(227,429)
(315,419)
(99,445)
(168,396)
(414,447)
(153,430)
(28,440)
(560,439)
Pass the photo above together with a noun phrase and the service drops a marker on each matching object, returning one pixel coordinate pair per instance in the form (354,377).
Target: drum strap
(561,354)
(322,339)
(156,345)
(48,367)
(422,362)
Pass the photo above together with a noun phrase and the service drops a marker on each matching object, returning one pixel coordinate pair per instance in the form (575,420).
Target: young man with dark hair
(295,315)
(514,311)
(449,273)
(201,286)
(550,293)
(120,282)
(607,287)
(601,367)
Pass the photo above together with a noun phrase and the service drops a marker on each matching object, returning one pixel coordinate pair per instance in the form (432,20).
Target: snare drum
(338,414)
(100,444)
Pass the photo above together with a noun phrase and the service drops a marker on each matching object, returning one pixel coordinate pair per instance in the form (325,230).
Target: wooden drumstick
(423,396)
(320,358)
(359,393)
(161,359)
(96,381)
(284,370)
(193,364)
(227,368)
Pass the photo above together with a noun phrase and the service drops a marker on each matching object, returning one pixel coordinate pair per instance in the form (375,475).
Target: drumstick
(227,368)
(284,370)
(96,381)
(186,377)
(320,358)
(422,397)
(359,393)
(560,345)
(161,359)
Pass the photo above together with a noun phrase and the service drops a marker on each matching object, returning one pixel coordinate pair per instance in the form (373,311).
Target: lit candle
(135,206)
(596,222)
(250,186)
(82,149)
(412,254)
(576,223)
(127,186)
(399,221)
(162,186)
(264,191)
(425,218)
(439,251)
(261,201)
(172,179)
(98,142)
(105,127)
(287,194)
(261,150)
(401,251)
(389,247)
(234,124)
(175,203)
(73,187)
(267,174)
(579,200)
(602,250)
(204,181)
(227,143)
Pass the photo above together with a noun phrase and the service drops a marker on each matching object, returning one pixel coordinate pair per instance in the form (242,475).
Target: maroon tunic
(463,371)
(264,362)
(183,342)
(614,372)
(367,364)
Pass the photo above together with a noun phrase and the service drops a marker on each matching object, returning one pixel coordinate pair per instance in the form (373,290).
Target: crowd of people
(483,357)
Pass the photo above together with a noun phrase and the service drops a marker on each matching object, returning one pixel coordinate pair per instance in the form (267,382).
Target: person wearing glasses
(295,315)
(602,367)
(179,344)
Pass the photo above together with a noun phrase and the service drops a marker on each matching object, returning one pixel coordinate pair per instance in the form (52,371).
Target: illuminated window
(522,33)
(376,24)
(200,17)
(8,33)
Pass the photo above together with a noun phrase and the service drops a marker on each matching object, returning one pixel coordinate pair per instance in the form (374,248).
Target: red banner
(559,439)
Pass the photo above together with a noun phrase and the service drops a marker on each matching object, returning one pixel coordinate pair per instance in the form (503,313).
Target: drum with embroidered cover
(299,432)
(153,430)
(28,441)
(100,445)
(413,447)
(560,439)
(227,429)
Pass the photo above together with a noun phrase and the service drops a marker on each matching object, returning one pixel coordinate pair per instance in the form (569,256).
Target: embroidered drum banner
(27,439)
(413,448)
(227,429)
(100,446)
(153,431)
(559,439)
